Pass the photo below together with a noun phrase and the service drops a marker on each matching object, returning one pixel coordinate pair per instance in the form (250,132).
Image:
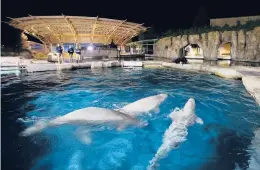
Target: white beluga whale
(121,117)
(87,116)
(177,131)
(144,105)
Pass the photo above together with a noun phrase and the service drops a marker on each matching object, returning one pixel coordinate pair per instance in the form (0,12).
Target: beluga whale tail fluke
(37,127)
(144,105)
(177,131)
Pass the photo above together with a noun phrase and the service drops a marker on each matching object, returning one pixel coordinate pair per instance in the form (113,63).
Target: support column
(50,47)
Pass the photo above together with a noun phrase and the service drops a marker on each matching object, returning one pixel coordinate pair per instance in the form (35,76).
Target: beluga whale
(177,131)
(144,105)
(87,116)
(91,116)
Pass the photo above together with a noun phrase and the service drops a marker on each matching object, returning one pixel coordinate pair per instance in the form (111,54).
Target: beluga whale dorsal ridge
(144,105)
(87,116)
(177,131)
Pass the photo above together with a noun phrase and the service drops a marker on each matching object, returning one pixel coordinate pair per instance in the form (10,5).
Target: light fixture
(90,48)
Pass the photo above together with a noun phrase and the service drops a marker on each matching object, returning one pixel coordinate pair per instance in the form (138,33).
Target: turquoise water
(230,115)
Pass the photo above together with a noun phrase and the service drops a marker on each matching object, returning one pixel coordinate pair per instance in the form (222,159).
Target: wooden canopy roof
(76,29)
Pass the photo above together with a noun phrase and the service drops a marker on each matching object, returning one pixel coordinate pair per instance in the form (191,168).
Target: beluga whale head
(187,115)
(144,105)
(190,106)
(162,97)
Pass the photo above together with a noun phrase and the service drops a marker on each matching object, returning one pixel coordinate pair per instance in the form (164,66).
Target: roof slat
(78,29)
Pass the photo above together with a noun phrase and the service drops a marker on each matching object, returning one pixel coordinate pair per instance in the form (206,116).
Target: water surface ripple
(231,119)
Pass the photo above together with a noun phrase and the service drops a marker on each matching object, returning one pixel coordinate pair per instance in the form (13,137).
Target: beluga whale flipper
(90,116)
(177,131)
(144,105)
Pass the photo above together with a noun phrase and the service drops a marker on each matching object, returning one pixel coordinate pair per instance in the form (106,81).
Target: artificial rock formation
(245,45)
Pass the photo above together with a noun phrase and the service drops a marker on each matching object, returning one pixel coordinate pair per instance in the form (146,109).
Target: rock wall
(245,45)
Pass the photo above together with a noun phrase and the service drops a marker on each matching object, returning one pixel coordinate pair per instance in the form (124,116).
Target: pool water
(228,139)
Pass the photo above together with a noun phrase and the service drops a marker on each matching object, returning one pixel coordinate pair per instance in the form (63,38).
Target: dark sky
(162,14)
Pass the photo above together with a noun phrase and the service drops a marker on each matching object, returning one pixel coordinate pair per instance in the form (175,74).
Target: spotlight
(90,48)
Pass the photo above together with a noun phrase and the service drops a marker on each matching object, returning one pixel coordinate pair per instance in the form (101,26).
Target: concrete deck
(250,76)
(38,67)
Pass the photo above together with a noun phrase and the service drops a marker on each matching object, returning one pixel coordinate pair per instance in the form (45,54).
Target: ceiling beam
(32,33)
(67,29)
(72,28)
(93,29)
(13,19)
(49,27)
(127,33)
(112,31)
(36,36)
(36,33)
(127,39)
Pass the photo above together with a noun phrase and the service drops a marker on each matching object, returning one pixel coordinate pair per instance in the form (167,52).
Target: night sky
(161,14)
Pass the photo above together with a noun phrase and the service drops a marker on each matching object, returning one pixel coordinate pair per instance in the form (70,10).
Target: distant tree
(201,19)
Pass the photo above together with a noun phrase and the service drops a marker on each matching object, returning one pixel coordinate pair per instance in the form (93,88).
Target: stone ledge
(132,64)
(152,64)
(81,65)
(218,71)
(40,67)
(252,85)
(66,66)
(228,73)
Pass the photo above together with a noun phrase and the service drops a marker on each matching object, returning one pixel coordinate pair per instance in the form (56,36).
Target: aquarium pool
(228,139)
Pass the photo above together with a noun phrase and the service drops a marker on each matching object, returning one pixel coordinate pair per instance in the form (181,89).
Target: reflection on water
(226,138)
